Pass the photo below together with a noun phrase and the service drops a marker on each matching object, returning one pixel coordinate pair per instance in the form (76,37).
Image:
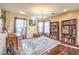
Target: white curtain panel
(1,25)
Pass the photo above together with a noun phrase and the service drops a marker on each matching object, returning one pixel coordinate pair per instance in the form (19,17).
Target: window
(40,27)
(20,26)
(44,27)
(47,28)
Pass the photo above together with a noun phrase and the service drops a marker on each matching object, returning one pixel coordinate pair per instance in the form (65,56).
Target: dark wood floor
(63,50)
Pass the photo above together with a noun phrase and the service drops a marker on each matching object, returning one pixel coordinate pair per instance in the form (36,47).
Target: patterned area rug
(37,46)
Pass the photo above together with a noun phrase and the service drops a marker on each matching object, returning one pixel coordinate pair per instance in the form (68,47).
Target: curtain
(1,25)
(21,27)
(47,28)
(40,27)
(44,27)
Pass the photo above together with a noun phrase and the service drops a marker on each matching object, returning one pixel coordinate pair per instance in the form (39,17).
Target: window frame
(15,18)
(43,26)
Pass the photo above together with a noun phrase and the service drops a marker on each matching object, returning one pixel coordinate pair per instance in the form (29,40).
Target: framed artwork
(32,22)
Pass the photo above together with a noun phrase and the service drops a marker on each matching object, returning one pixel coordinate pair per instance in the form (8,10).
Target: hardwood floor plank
(63,50)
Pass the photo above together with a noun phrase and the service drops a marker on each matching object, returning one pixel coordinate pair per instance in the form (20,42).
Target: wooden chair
(12,39)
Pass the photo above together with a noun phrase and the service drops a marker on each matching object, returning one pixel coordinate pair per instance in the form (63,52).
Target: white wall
(31,30)
(0,11)
(2,43)
(77,41)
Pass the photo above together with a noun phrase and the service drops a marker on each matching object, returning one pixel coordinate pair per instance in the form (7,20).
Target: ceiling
(33,9)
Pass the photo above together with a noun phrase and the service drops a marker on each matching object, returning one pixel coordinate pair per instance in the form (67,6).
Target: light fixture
(41,16)
(65,10)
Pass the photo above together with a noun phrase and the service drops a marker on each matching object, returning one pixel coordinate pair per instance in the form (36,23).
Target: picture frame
(32,22)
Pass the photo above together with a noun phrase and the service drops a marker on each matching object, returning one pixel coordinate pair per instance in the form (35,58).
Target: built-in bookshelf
(54,30)
(68,31)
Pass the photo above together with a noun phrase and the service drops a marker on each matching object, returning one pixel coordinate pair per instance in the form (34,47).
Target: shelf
(68,25)
(68,31)
(54,30)
(68,34)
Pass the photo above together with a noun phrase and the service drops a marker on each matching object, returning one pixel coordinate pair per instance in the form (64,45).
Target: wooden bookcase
(54,30)
(68,31)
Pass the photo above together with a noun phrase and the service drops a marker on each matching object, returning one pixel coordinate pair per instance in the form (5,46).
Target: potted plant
(3,19)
